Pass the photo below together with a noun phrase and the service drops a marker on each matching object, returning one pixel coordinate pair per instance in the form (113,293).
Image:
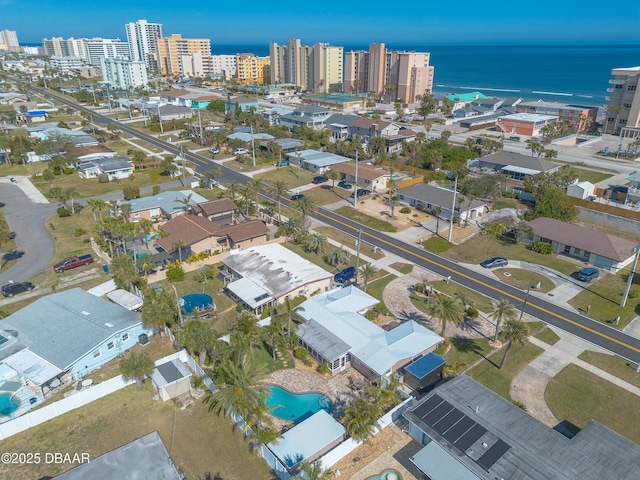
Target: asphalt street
(590,330)
(27,219)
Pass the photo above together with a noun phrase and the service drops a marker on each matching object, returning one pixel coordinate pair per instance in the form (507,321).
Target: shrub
(64,212)
(508,194)
(472,312)
(103,178)
(68,170)
(494,229)
(324,369)
(155,190)
(520,405)
(405,210)
(175,273)
(80,231)
(300,353)
(542,248)
(131,192)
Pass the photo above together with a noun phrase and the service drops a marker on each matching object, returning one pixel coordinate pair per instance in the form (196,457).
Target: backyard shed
(580,190)
(171,379)
(424,372)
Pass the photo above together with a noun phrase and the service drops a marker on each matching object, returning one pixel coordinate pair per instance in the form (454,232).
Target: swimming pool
(8,403)
(196,301)
(296,407)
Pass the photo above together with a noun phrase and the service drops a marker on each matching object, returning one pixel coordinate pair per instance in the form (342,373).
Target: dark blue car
(344,275)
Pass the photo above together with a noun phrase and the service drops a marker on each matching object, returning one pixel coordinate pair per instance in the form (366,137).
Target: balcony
(616,81)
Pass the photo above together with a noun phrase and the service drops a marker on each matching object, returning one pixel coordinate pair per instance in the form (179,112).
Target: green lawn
(480,302)
(436,244)
(547,336)
(288,175)
(372,222)
(324,195)
(466,351)
(591,176)
(349,241)
(578,396)
(376,287)
(405,268)
(617,366)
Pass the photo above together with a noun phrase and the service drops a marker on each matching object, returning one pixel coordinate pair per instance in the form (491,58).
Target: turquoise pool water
(195,300)
(8,404)
(296,407)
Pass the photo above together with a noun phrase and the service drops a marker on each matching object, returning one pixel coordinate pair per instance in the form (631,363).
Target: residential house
(168,112)
(9,98)
(339,124)
(514,165)
(189,234)
(469,432)
(287,145)
(371,177)
(585,244)
(633,190)
(144,458)
(393,134)
(243,103)
(427,198)
(310,116)
(116,168)
(267,275)
(461,99)
(316,161)
(337,333)
(274,114)
(248,137)
(163,206)
(66,334)
(221,211)
(89,152)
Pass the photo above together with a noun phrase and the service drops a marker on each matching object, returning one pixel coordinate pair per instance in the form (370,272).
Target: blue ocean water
(573,74)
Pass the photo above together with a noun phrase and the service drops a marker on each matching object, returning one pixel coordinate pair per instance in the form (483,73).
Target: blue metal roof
(425,365)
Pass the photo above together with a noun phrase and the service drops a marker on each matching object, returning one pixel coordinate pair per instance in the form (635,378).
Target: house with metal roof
(285,144)
(316,161)
(247,137)
(310,116)
(469,432)
(337,333)
(430,197)
(268,274)
(116,168)
(70,331)
(585,244)
(143,459)
(514,165)
(163,206)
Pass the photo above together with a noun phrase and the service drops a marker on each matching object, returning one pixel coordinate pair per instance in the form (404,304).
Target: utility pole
(355,187)
(453,209)
(200,123)
(128,104)
(160,119)
(524,303)
(358,242)
(253,148)
(630,279)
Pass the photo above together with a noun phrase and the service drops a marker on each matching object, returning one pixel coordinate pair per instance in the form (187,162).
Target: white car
(240,151)
(214,150)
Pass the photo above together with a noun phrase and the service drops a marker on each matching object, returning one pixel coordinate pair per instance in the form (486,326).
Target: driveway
(26,216)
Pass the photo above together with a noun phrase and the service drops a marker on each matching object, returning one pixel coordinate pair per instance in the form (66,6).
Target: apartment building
(98,48)
(623,111)
(123,73)
(184,56)
(141,37)
(252,70)
(397,75)
(9,41)
(64,47)
(223,65)
(318,67)
(66,64)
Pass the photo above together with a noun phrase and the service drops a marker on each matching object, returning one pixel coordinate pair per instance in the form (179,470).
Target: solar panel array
(458,429)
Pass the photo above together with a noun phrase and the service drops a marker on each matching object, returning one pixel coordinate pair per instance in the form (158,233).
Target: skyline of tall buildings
(9,40)
(141,37)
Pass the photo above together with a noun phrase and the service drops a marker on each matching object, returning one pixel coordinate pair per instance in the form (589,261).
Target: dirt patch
(375,206)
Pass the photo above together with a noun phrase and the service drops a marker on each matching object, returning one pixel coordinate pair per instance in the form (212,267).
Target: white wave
(553,93)
(464,87)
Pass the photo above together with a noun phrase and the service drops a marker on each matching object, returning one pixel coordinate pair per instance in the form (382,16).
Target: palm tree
(159,309)
(316,242)
(232,189)
(136,366)
(368,271)
(289,313)
(514,331)
(186,201)
(313,471)
(304,205)
(71,193)
(125,210)
(124,272)
(198,337)
(333,175)
(337,257)
(445,309)
(178,244)
(247,334)
(503,310)
(279,189)
(256,186)
(246,191)
(361,419)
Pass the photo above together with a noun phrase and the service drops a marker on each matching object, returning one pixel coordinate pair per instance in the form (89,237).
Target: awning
(34,367)
(438,464)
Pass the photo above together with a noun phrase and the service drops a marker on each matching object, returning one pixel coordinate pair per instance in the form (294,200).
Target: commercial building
(528,124)
(141,37)
(184,56)
(9,41)
(123,74)
(623,111)
(252,70)
(318,68)
(399,75)
(575,114)
(98,48)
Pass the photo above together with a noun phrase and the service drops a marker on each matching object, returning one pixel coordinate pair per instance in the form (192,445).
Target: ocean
(576,74)
(572,74)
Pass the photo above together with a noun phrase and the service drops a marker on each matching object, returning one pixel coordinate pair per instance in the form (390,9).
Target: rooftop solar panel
(448,421)
(459,429)
(427,406)
(470,437)
(437,413)
(492,455)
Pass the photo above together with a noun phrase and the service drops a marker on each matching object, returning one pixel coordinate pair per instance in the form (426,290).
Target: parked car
(320,179)
(345,184)
(73,262)
(345,274)
(12,235)
(495,262)
(587,274)
(240,151)
(10,289)
(297,196)
(282,163)
(362,192)
(214,150)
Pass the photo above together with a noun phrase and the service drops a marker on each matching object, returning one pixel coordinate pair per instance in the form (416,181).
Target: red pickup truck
(73,262)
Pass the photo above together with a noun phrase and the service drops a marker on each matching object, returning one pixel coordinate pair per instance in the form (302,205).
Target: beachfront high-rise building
(318,67)
(64,47)
(252,70)
(397,75)
(141,37)
(98,48)
(623,111)
(224,65)
(123,73)
(9,41)
(184,56)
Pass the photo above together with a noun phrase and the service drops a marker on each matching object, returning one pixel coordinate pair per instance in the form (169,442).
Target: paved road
(592,331)
(27,219)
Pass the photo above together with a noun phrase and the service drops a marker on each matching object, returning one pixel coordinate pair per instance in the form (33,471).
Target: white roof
(125,299)
(251,293)
(307,438)
(529,117)
(33,366)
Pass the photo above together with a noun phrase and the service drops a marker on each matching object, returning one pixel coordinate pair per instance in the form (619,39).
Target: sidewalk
(24,184)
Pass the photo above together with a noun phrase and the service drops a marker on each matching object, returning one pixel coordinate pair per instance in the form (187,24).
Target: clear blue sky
(354,23)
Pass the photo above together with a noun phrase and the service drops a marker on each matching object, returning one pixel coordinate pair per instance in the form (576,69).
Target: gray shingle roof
(442,197)
(65,326)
